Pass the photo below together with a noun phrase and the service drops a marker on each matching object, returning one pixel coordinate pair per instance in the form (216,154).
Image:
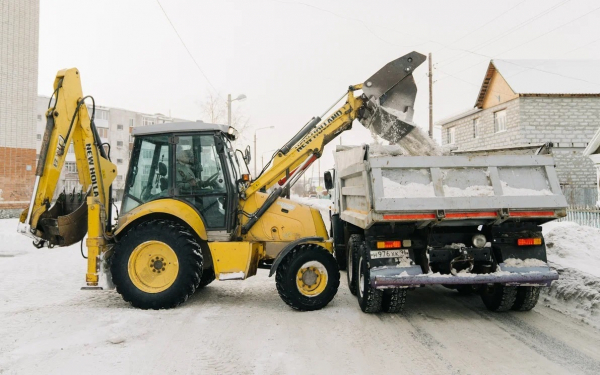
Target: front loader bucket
(66,222)
(391,94)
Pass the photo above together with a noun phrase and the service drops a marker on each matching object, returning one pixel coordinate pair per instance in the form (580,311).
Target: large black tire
(208,276)
(352,262)
(286,278)
(189,259)
(369,298)
(393,300)
(340,257)
(499,297)
(527,298)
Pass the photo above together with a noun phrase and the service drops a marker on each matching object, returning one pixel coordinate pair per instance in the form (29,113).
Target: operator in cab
(186,178)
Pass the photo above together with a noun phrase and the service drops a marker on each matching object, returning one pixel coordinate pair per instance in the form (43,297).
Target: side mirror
(247,155)
(328,178)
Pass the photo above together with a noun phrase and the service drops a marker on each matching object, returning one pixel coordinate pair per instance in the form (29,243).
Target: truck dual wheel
(393,300)
(353,249)
(156,265)
(308,277)
(527,298)
(499,297)
(369,298)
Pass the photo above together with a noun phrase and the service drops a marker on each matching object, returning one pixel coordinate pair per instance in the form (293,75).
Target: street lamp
(229,100)
(255,170)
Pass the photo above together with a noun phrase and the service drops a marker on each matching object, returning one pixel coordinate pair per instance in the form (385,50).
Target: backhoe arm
(65,222)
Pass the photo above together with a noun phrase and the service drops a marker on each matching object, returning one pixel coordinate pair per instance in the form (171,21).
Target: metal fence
(583,215)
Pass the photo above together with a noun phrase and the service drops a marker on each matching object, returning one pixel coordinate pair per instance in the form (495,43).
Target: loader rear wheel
(308,278)
(352,258)
(369,298)
(156,265)
(499,297)
(527,298)
(393,300)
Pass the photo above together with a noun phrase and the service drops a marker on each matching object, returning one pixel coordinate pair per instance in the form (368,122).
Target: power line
(482,26)
(188,50)
(502,35)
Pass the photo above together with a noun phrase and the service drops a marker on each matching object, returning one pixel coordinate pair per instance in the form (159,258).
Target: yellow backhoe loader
(189,212)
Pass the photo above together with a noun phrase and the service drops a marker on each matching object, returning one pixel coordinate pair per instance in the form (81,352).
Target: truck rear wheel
(393,300)
(352,257)
(156,265)
(369,298)
(527,298)
(308,277)
(499,297)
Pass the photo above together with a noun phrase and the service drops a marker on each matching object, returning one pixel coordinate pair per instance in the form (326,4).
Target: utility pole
(229,102)
(430,97)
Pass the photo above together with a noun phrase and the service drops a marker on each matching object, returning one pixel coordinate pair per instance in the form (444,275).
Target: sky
(294,59)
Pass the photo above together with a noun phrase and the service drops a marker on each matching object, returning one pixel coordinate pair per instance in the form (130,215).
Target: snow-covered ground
(574,251)
(49,326)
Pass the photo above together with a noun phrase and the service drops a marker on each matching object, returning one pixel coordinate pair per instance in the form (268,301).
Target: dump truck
(191,213)
(470,223)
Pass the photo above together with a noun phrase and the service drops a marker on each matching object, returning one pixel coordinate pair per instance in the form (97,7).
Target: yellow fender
(167,206)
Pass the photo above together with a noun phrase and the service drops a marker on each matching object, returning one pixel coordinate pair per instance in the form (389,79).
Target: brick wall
(17,169)
(19,31)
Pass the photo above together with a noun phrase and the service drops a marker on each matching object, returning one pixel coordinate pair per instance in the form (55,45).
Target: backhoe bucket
(391,94)
(66,222)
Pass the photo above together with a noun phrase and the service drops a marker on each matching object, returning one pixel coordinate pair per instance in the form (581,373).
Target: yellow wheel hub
(311,279)
(153,266)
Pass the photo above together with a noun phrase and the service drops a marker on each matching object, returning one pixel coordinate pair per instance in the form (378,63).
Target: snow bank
(573,251)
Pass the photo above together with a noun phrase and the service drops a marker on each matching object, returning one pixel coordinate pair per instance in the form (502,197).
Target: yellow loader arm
(385,107)
(66,221)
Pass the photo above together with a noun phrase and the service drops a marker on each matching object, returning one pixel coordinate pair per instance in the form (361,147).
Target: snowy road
(49,326)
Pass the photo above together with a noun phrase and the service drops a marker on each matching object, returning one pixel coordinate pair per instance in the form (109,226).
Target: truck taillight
(529,241)
(389,244)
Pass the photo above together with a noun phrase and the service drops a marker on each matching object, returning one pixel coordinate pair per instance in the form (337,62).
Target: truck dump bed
(439,190)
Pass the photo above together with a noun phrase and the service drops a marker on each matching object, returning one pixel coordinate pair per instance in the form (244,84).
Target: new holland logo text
(93,178)
(317,131)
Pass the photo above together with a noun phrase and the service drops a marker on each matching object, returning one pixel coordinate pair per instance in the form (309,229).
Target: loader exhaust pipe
(390,94)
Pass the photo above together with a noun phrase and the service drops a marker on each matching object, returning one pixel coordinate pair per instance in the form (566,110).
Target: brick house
(523,104)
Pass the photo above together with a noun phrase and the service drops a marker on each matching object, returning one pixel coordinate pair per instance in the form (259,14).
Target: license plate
(400,253)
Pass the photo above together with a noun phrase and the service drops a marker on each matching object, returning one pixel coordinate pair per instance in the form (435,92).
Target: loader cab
(191,162)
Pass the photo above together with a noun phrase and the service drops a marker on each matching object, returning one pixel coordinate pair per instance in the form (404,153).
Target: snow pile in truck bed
(574,252)
(393,189)
(416,143)
(513,191)
(470,191)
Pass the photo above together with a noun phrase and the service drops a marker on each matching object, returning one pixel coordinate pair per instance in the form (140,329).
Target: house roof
(545,77)
(450,119)
(594,144)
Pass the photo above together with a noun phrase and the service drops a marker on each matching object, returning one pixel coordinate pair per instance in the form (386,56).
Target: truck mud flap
(406,276)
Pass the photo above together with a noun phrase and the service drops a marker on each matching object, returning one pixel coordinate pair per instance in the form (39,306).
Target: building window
(500,121)
(119,178)
(130,138)
(476,128)
(71,149)
(131,123)
(119,127)
(100,114)
(103,132)
(39,117)
(39,137)
(148,121)
(119,143)
(119,161)
(147,154)
(71,166)
(450,135)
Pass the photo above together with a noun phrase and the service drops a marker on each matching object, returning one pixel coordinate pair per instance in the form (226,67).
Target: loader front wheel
(369,299)
(499,297)
(208,276)
(352,258)
(308,278)
(156,265)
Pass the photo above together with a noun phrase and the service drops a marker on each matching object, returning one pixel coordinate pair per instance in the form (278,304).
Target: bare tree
(214,110)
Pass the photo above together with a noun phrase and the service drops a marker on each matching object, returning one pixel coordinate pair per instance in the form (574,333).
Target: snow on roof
(457,116)
(550,76)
